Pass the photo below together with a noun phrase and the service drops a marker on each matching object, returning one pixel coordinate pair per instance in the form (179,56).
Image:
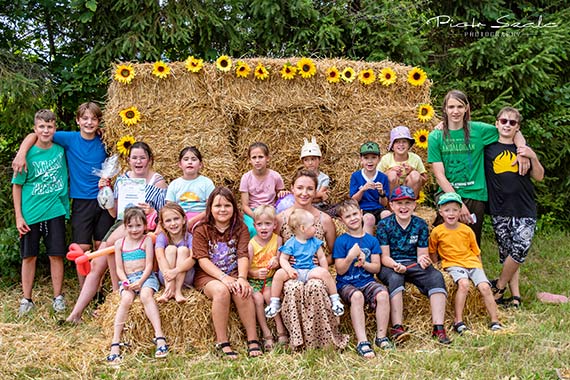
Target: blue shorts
(428,281)
(150,282)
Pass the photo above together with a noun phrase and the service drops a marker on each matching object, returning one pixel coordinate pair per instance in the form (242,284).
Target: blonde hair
(264,210)
(298,218)
(346,205)
(174,207)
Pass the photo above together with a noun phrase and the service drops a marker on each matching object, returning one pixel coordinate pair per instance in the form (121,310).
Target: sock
(275,302)
(335,298)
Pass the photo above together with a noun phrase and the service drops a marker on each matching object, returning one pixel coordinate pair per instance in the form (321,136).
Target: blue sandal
(115,359)
(364,349)
(161,351)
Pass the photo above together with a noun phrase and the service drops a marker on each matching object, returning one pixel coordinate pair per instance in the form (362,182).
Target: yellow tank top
(262,255)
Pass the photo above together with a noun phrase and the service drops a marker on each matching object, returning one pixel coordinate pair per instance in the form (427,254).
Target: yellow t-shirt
(414,161)
(456,248)
(262,255)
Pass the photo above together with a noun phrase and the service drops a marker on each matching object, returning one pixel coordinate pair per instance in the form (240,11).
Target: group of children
(382,197)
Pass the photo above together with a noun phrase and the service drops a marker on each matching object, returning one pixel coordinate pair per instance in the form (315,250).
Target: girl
(173,253)
(220,246)
(259,186)
(192,189)
(264,259)
(134,260)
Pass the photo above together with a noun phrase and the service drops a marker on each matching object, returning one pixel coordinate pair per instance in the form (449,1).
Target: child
(192,189)
(511,202)
(264,260)
(303,246)
(311,158)
(134,258)
(173,252)
(260,185)
(41,206)
(400,165)
(461,258)
(369,187)
(403,238)
(357,259)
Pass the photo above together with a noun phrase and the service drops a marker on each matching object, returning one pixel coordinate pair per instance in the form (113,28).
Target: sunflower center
(417,76)
(332,74)
(388,76)
(306,68)
(348,74)
(423,138)
(366,75)
(130,114)
(242,68)
(125,73)
(224,63)
(424,111)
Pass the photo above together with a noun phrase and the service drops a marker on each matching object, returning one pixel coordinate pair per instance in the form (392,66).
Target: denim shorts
(428,281)
(150,282)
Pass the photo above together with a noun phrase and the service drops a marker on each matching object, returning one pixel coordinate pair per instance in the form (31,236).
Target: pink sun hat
(400,132)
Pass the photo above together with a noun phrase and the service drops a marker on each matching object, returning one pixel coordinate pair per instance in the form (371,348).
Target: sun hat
(402,192)
(400,132)
(449,197)
(369,147)
(310,148)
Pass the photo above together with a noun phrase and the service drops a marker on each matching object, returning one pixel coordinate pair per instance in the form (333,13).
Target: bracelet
(223,276)
(242,277)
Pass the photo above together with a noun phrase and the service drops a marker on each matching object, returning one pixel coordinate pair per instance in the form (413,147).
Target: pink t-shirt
(261,192)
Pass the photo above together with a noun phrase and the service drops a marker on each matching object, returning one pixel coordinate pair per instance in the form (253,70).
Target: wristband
(383,195)
(243,277)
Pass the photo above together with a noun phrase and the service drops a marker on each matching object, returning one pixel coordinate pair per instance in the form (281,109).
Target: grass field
(534,345)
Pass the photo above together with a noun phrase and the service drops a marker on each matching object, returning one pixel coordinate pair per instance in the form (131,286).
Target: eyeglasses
(507,121)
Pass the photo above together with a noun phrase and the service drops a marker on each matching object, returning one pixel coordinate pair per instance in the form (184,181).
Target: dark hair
(144,146)
(346,205)
(45,115)
(259,145)
(305,173)
(175,207)
(89,106)
(511,110)
(461,97)
(235,222)
(192,149)
(134,212)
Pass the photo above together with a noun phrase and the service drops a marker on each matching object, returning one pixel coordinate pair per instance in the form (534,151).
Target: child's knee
(382,298)
(357,298)
(463,285)
(484,288)
(369,220)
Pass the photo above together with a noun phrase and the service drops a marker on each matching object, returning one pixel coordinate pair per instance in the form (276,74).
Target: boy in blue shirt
(41,206)
(357,259)
(369,187)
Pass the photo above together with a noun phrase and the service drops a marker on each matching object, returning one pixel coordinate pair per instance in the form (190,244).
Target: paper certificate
(131,193)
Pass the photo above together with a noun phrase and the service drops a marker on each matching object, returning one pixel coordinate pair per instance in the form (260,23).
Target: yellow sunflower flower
(333,75)
(416,76)
(124,74)
(124,145)
(367,77)
(130,116)
(348,75)
(288,71)
(194,65)
(242,69)
(421,137)
(261,72)
(425,112)
(306,67)
(421,198)
(387,76)
(160,69)
(224,63)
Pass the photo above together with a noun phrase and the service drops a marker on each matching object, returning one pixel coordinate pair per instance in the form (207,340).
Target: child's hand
(292,274)
(283,193)
(135,286)
(378,186)
(354,252)
(22,226)
(361,260)
(262,273)
(400,268)
(424,261)
(273,263)
(170,274)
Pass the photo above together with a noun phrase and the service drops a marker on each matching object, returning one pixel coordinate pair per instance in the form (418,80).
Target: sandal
(516,302)
(268,343)
(497,291)
(161,351)
(365,350)
(283,339)
(231,355)
(115,359)
(256,349)
(384,343)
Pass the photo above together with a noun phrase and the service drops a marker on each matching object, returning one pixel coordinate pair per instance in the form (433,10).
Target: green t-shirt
(464,165)
(44,186)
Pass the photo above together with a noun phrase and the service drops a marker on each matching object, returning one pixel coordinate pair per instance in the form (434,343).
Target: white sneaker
(25,307)
(58,304)
(338,308)
(272,310)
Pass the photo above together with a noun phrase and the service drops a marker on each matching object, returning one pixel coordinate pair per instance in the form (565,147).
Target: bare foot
(180,298)
(163,298)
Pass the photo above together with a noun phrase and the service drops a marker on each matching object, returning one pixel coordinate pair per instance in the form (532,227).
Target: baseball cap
(369,147)
(449,197)
(402,192)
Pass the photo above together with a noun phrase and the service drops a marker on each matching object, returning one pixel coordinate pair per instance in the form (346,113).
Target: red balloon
(74,252)
(83,268)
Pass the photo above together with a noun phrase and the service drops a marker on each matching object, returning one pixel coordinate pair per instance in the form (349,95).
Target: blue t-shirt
(371,198)
(404,243)
(302,252)
(190,194)
(82,157)
(355,276)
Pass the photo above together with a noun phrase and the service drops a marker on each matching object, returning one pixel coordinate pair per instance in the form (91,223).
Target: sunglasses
(507,121)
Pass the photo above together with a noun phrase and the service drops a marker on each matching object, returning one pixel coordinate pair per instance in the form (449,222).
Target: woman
(306,308)
(140,166)
(220,247)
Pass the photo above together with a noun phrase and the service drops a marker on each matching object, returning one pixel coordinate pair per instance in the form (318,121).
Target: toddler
(311,158)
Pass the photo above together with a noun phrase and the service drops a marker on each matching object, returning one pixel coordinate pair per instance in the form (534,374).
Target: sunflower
(367,76)
(348,74)
(261,72)
(160,69)
(130,116)
(387,76)
(306,67)
(416,76)
(194,65)
(421,137)
(224,63)
(425,112)
(333,75)
(124,74)
(421,198)
(242,69)
(288,71)
(124,145)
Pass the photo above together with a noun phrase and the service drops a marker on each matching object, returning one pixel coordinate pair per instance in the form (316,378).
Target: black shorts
(53,233)
(376,213)
(89,222)
(428,281)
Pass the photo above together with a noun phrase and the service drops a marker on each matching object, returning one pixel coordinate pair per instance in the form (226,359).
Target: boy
(41,207)
(369,186)
(511,203)
(357,259)
(403,238)
(311,158)
(460,257)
